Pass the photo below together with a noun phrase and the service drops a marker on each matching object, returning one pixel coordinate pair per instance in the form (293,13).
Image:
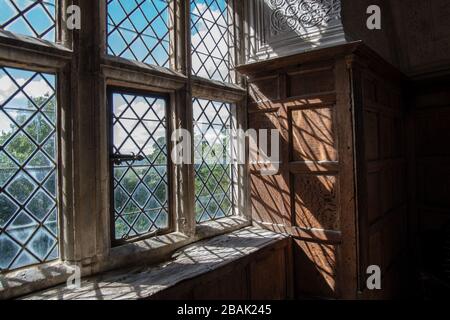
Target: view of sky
(29,17)
(138,30)
(144,29)
(140,117)
(13,100)
(210,39)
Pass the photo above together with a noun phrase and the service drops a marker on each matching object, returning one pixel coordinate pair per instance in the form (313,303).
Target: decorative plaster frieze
(303,15)
(283,27)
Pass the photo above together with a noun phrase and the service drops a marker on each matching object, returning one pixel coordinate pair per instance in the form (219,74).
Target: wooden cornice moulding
(355,52)
(299,58)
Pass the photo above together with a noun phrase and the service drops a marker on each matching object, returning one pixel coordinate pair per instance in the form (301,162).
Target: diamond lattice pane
(214,188)
(211,40)
(28,171)
(35,18)
(139,30)
(141,203)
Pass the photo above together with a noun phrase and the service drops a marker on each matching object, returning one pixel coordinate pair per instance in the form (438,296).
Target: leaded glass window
(211,39)
(139,30)
(34,18)
(28,169)
(141,189)
(214,187)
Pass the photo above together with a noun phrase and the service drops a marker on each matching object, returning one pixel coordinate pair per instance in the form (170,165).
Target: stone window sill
(153,250)
(158,248)
(28,43)
(187,263)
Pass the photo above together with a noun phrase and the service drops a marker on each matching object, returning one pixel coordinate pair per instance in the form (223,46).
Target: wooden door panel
(311,198)
(302,199)
(315,202)
(315,269)
(310,81)
(264,89)
(270,196)
(268,203)
(313,135)
(268,277)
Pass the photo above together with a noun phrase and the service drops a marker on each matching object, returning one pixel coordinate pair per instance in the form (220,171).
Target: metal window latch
(118,159)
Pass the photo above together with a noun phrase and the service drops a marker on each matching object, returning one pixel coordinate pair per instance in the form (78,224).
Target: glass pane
(139,30)
(211,39)
(141,202)
(214,189)
(28,171)
(35,18)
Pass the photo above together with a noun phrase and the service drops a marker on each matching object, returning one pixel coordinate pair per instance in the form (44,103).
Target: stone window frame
(84,73)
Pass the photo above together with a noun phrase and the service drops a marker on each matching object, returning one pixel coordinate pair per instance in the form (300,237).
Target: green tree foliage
(152,171)
(20,147)
(38,128)
(213,172)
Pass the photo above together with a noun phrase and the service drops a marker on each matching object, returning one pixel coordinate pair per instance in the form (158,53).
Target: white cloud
(140,131)
(205,37)
(34,89)
(7,88)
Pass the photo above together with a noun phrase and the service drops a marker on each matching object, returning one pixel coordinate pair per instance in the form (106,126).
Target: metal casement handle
(118,159)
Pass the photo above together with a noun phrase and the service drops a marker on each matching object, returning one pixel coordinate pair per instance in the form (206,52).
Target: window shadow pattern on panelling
(140,187)
(35,18)
(28,169)
(139,30)
(211,39)
(213,167)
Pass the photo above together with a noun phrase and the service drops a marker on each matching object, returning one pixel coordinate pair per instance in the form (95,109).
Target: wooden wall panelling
(429,172)
(348,258)
(313,134)
(363,88)
(270,197)
(303,98)
(340,114)
(305,101)
(270,200)
(316,78)
(316,202)
(316,269)
(431,118)
(268,283)
(313,166)
(232,285)
(381,175)
(265,88)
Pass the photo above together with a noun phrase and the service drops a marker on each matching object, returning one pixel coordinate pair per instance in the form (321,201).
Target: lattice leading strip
(34,18)
(211,40)
(140,188)
(28,169)
(139,30)
(213,166)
